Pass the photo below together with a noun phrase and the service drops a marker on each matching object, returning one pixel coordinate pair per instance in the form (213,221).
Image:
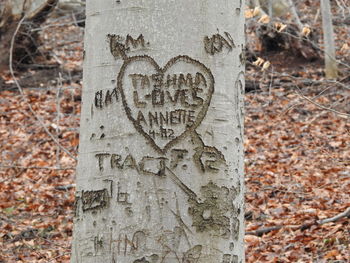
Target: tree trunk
(160,173)
(331,68)
(25,50)
(294,12)
(273,8)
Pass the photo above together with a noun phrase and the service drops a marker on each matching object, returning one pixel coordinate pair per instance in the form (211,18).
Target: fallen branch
(346,213)
(265,230)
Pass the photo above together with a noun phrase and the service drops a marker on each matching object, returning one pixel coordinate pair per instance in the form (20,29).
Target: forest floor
(297,156)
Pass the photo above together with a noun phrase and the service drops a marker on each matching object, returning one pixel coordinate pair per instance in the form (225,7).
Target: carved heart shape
(165,104)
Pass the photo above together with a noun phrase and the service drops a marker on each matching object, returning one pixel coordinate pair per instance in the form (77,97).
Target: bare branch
(340,114)
(24,97)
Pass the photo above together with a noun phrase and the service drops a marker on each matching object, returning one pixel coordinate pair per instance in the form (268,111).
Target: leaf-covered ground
(297,160)
(297,172)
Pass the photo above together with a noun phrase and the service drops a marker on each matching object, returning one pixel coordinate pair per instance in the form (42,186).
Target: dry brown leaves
(35,211)
(35,217)
(297,172)
(297,165)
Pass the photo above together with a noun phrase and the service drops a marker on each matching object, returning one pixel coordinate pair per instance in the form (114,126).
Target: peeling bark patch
(214,212)
(92,200)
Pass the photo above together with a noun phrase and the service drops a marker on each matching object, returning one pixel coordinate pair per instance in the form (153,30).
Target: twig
(36,167)
(317,15)
(56,25)
(263,231)
(320,114)
(308,82)
(24,6)
(58,101)
(266,230)
(24,97)
(340,114)
(298,103)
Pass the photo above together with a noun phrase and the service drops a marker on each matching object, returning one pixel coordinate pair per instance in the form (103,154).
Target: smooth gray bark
(26,6)
(160,173)
(270,7)
(293,9)
(331,67)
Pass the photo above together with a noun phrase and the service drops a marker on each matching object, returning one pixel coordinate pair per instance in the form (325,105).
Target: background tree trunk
(270,7)
(331,68)
(160,173)
(27,41)
(294,12)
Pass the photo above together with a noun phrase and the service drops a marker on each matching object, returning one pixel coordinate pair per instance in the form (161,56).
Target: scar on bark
(93,200)
(215,211)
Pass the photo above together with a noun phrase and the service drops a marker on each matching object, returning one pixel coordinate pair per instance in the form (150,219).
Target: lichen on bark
(213,211)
